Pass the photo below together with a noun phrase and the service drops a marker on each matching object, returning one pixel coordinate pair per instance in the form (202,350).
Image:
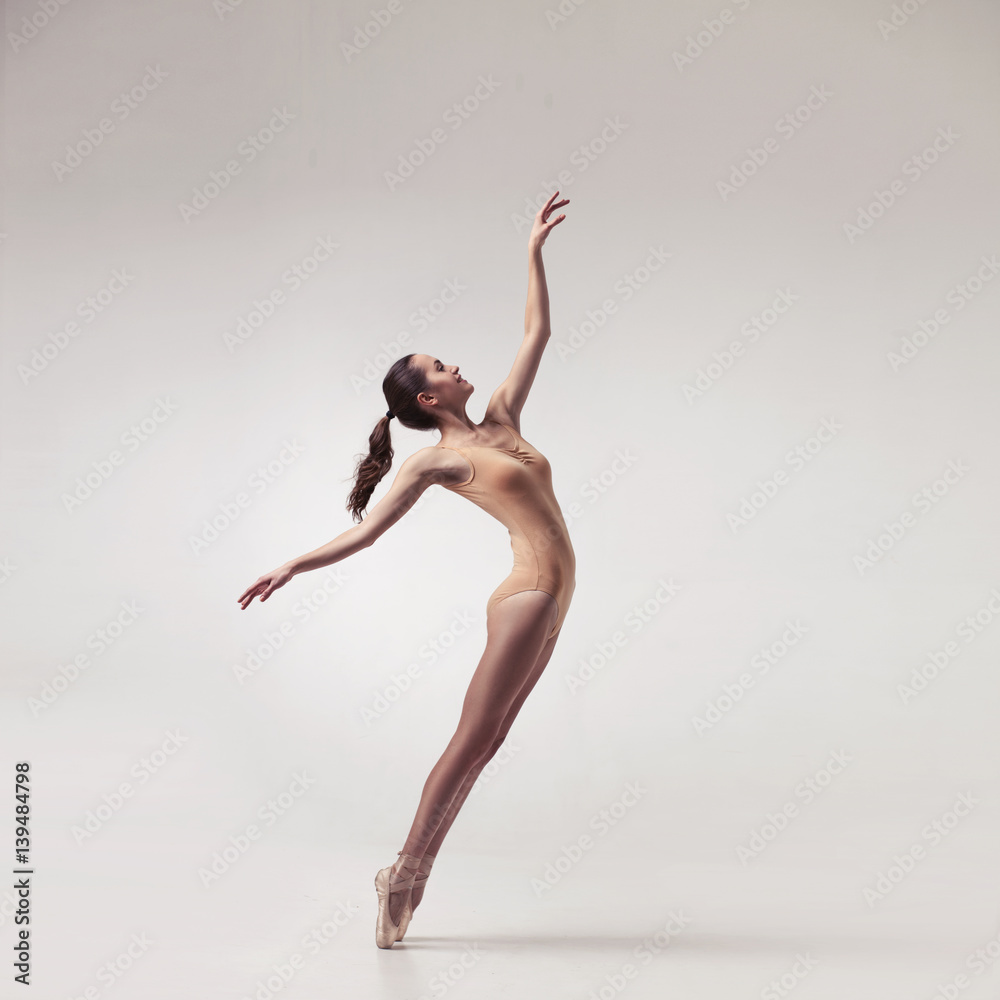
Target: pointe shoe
(418,880)
(385,929)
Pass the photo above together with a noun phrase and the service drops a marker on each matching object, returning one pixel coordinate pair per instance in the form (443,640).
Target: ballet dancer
(492,465)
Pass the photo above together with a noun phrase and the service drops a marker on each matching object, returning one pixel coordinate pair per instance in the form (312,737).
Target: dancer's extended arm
(420,470)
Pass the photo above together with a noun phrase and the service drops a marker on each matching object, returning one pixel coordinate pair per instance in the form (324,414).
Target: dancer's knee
(477,743)
(492,750)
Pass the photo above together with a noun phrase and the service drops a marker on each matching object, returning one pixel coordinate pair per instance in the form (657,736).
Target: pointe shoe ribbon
(426,862)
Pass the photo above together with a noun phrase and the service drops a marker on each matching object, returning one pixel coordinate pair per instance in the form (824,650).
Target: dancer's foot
(393,885)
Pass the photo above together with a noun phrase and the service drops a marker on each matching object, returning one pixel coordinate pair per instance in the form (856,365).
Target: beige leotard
(515,485)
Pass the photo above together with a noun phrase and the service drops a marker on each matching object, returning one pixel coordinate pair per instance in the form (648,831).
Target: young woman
(494,467)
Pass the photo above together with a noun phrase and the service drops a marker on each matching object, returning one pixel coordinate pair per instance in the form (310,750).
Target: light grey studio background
(770,406)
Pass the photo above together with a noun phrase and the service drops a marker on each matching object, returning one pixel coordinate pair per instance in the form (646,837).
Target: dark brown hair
(402,384)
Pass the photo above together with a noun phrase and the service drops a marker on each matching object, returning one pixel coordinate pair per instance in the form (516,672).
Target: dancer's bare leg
(540,664)
(517,633)
(470,781)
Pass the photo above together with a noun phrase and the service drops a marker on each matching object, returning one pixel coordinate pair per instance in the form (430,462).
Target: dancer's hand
(542,227)
(265,585)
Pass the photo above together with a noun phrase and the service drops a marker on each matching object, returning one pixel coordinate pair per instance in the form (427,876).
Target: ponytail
(371,469)
(402,384)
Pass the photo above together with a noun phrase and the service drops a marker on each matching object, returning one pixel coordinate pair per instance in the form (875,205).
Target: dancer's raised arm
(536,312)
(508,400)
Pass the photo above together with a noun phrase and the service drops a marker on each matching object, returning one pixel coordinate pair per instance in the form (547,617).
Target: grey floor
(299,922)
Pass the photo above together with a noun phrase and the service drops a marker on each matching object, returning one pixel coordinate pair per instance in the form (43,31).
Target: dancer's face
(444,382)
